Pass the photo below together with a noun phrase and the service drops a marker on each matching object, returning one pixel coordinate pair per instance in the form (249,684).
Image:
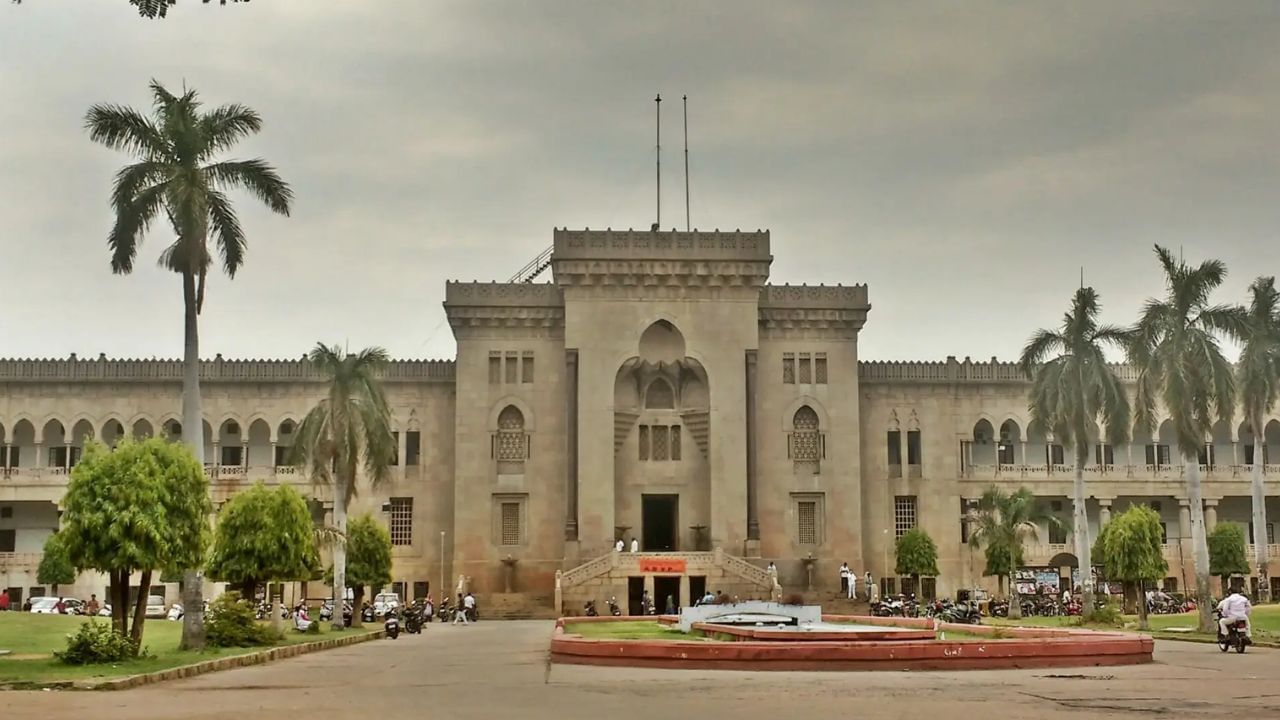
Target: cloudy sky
(963,159)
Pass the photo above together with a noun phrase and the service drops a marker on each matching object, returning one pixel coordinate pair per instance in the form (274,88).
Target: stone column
(8,455)
(684,599)
(216,460)
(66,456)
(1024,453)
(753,519)
(402,445)
(1184,519)
(244,455)
(1210,515)
(273,457)
(571,445)
(39,455)
(968,457)
(1104,512)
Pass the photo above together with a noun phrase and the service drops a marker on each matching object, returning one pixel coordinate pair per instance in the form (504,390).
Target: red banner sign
(663,565)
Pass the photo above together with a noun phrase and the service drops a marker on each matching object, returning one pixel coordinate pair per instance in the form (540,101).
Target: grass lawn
(628,630)
(1266,623)
(32,639)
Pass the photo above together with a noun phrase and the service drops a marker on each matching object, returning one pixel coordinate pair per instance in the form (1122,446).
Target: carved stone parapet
(217,370)
(472,320)
(848,297)
(668,245)
(494,294)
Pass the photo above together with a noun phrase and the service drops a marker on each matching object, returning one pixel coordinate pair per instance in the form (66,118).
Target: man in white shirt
(635,545)
(1235,607)
(844,578)
(618,545)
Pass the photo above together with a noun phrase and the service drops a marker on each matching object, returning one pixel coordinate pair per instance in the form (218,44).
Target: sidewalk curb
(199,668)
(1208,641)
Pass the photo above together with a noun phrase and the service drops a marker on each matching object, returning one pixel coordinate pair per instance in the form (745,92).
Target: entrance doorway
(635,596)
(664,587)
(697,588)
(658,522)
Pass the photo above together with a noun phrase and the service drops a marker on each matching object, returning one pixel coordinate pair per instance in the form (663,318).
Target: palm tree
(1007,520)
(1175,349)
(179,176)
(349,429)
(1072,387)
(1257,377)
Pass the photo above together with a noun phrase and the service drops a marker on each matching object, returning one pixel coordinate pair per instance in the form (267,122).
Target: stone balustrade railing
(218,369)
(1142,471)
(952,370)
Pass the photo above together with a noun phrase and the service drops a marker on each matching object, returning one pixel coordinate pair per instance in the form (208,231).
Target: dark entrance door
(635,594)
(666,587)
(659,522)
(697,588)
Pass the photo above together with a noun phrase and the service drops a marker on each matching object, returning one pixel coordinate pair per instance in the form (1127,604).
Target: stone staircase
(517,606)
(835,603)
(606,575)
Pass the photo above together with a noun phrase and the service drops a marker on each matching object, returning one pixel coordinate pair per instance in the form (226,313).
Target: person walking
(4,600)
(853,585)
(469,607)
(871,586)
(460,612)
(844,579)
(91,607)
(635,545)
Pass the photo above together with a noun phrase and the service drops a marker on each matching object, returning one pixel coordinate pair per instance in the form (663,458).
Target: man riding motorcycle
(1235,607)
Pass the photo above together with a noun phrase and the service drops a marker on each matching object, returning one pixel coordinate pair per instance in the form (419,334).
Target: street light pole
(441,591)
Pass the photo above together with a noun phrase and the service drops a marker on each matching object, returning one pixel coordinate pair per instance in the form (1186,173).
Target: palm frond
(227,233)
(256,176)
(224,126)
(123,128)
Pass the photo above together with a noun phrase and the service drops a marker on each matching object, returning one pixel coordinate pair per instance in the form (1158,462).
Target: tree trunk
(1080,521)
(1015,602)
(276,609)
(340,559)
(140,608)
(1199,542)
(193,435)
(120,601)
(1142,606)
(1260,519)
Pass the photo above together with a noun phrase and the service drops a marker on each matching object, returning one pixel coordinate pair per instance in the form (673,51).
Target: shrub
(232,623)
(313,628)
(97,642)
(1106,614)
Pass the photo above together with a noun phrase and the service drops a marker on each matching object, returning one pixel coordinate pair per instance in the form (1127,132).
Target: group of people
(849,583)
(61,607)
(621,545)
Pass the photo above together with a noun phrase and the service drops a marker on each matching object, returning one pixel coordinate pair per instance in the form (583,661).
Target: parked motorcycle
(590,609)
(412,620)
(175,612)
(1236,636)
(614,610)
(326,611)
(391,624)
(366,614)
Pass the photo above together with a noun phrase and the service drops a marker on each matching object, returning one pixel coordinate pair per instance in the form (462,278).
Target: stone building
(657,389)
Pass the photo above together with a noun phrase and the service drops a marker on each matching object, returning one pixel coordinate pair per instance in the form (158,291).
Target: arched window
(805,445)
(511,444)
(659,396)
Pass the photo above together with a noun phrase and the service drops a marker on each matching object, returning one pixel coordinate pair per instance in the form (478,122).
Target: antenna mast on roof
(657,106)
(687,227)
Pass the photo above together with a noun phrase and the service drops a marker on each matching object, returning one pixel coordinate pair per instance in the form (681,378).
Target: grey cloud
(963,159)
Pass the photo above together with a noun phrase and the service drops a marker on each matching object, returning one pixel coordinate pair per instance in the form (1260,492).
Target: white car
(49,606)
(156,608)
(382,602)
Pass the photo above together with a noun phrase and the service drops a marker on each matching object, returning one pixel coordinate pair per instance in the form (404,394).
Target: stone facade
(658,388)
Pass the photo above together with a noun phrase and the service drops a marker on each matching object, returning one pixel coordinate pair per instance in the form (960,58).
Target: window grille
(401,521)
(904,514)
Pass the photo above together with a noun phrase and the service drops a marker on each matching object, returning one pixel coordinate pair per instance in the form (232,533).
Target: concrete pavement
(499,669)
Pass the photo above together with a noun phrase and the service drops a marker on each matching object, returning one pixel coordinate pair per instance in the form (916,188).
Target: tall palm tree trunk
(193,636)
(1015,602)
(1080,521)
(1199,541)
(340,559)
(1260,522)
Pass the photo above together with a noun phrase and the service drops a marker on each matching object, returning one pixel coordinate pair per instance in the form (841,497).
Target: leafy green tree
(1132,551)
(1007,520)
(998,563)
(55,567)
(1073,387)
(348,431)
(916,555)
(1257,373)
(368,557)
(1176,348)
(178,176)
(263,535)
(142,506)
(1226,553)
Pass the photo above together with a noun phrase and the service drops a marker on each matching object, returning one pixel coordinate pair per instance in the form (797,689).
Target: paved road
(498,669)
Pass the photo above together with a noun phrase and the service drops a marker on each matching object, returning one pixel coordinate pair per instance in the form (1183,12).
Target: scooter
(614,610)
(326,611)
(590,609)
(1236,636)
(366,615)
(391,624)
